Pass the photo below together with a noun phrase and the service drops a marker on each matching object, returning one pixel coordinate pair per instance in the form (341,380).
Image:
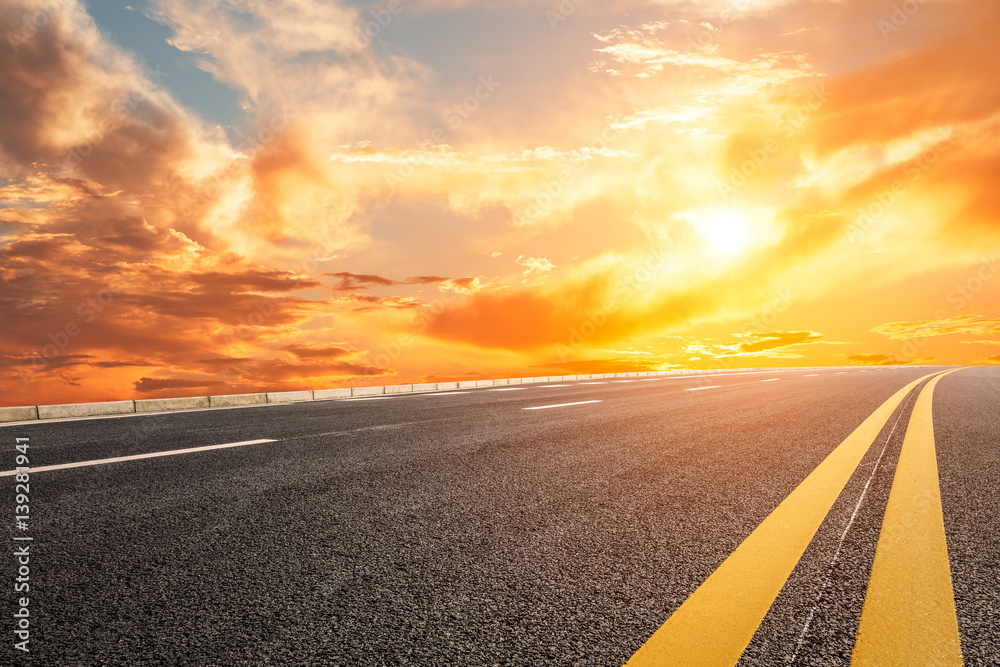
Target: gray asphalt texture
(460,529)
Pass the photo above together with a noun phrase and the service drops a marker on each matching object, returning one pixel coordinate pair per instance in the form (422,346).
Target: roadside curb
(141,406)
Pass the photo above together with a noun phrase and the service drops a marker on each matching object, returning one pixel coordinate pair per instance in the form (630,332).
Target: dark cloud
(331,352)
(147,385)
(349,282)
(771,341)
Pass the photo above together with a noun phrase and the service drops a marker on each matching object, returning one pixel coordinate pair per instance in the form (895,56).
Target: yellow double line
(909,613)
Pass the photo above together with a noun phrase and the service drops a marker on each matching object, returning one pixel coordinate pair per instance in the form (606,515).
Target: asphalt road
(460,528)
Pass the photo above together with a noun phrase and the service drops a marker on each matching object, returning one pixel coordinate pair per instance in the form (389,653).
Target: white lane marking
(843,536)
(770,380)
(840,372)
(546,386)
(561,405)
(509,389)
(652,379)
(811,375)
(136,457)
(593,383)
(714,386)
(624,380)
(372,398)
(443,393)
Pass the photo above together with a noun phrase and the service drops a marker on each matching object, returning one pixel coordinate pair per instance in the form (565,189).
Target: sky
(248,195)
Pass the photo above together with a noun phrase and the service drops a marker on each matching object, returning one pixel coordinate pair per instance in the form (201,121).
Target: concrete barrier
(234,400)
(30,413)
(327,394)
(289,396)
(168,404)
(19,414)
(86,410)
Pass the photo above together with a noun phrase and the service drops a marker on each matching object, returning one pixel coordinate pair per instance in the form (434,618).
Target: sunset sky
(223,197)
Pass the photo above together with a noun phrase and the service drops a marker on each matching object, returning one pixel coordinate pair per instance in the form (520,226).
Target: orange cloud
(962,324)
(886,360)
(309,241)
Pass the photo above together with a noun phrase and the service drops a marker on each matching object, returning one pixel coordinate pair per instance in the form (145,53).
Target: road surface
(559,523)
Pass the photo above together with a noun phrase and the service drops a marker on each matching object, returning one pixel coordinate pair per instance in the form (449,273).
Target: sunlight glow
(726,232)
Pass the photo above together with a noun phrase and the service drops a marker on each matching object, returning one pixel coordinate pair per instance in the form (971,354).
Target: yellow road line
(909,614)
(718,620)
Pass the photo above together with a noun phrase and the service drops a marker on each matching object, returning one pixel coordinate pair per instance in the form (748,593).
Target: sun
(726,232)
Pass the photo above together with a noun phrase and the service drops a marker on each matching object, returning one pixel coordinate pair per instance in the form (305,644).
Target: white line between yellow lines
(718,620)
(909,615)
(135,457)
(561,405)
(714,386)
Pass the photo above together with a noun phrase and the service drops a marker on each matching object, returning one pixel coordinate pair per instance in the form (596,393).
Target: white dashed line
(714,386)
(811,375)
(370,398)
(136,457)
(507,389)
(770,380)
(561,405)
(444,393)
(593,383)
(546,386)
(624,380)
